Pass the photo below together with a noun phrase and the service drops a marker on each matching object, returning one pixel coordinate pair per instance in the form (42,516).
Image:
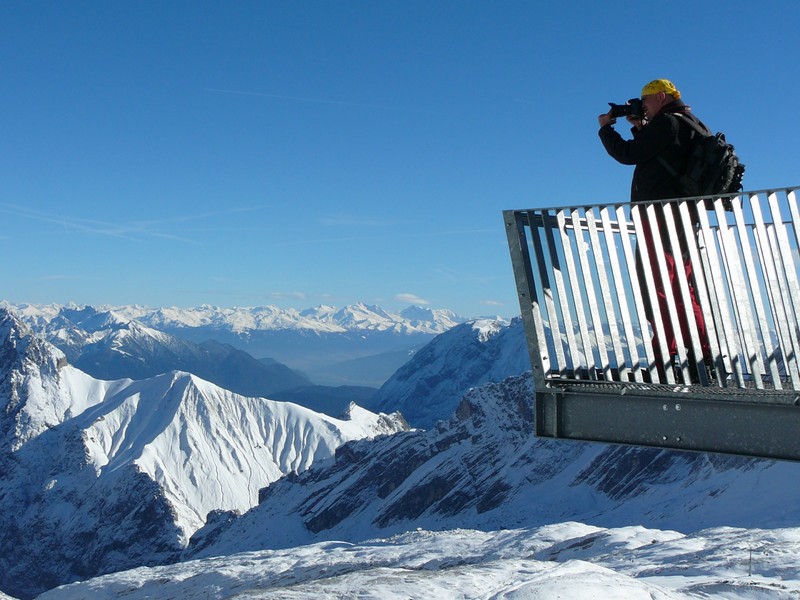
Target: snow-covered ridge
(211,449)
(322,319)
(565,560)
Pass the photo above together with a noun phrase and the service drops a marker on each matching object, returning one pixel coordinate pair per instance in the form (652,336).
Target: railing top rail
(664,201)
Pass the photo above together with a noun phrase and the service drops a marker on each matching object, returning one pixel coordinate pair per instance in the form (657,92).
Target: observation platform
(595,353)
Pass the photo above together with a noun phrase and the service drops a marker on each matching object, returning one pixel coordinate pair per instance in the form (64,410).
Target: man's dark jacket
(663,136)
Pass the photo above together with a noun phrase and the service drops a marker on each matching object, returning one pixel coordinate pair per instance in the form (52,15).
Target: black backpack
(712,167)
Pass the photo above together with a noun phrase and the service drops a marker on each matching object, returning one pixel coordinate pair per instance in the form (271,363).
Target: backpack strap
(669,169)
(696,125)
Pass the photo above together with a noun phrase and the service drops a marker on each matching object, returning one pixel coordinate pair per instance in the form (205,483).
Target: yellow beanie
(661,85)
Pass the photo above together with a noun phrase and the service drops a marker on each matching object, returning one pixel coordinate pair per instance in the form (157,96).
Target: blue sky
(320,152)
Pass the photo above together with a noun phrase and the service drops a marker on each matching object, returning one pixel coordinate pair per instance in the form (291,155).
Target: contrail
(84,225)
(132,232)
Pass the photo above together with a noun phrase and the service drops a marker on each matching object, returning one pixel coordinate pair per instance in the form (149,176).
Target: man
(657,138)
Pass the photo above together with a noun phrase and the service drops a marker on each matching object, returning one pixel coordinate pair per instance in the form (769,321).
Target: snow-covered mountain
(484,469)
(314,341)
(331,401)
(320,319)
(104,475)
(569,560)
(430,385)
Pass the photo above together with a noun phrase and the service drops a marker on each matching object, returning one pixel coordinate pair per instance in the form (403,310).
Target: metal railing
(727,316)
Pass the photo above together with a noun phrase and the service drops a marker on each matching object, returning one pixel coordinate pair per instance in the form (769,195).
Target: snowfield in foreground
(567,560)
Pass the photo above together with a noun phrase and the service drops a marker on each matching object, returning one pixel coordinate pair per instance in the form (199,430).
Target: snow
(209,449)
(486,328)
(240,320)
(206,447)
(430,385)
(566,560)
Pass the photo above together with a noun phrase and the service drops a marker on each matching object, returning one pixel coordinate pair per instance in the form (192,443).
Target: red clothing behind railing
(673,261)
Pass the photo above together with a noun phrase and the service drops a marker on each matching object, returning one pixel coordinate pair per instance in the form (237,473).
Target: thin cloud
(410,299)
(131,231)
(287,295)
(213,213)
(333,240)
(448,274)
(68,223)
(491,303)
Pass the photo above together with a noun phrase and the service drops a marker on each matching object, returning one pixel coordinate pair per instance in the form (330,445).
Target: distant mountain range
(108,345)
(320,319)
(358,345)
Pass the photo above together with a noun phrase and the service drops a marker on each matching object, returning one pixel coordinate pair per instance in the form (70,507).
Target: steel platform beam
(760,427)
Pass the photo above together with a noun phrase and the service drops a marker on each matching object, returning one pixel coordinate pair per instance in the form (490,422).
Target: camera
(632,109)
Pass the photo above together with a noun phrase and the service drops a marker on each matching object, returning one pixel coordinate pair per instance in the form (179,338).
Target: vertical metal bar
(580,311)
(788,332)
(700,276)
(759,312)
(636,291)
(686,301)
(791,272)
(622,300)
(739,359)
(537,222)
(605,292)
(660,251)
(768,250)
(565,300)
(655,305)
(591,297)
(526,292)
(718,292)
(773,331)
(790,287)
(734,253)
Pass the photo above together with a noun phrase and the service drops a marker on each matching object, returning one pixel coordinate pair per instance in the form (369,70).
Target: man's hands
(606,119)
(638,123)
